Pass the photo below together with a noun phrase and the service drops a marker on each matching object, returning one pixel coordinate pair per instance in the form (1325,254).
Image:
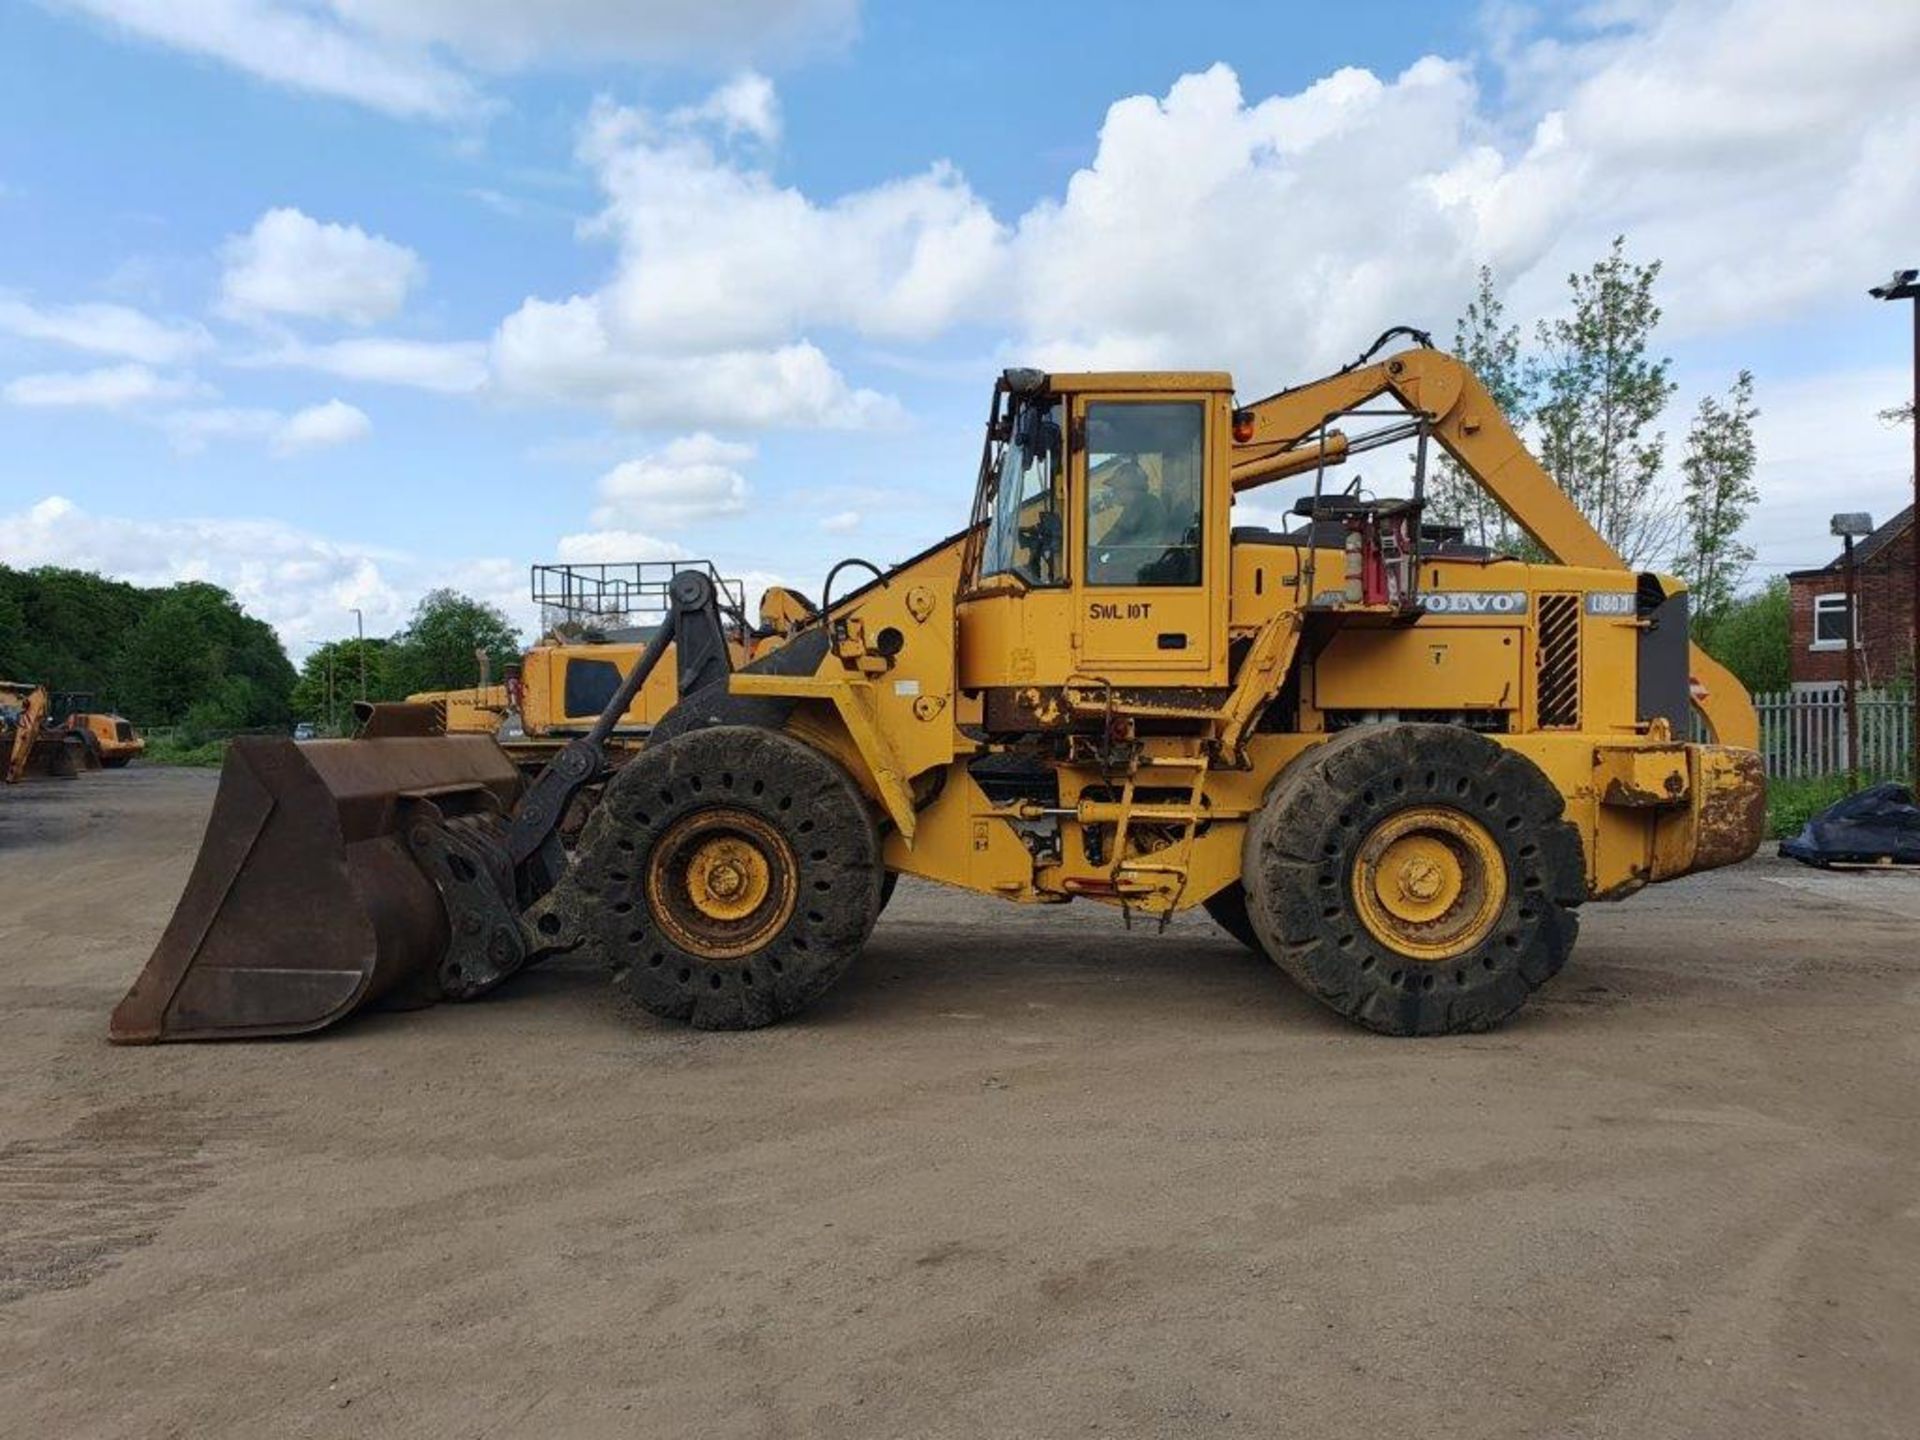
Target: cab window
(590,685)
(1144,464)
(1024,529)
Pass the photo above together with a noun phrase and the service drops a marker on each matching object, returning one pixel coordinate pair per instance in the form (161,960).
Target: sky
(333,301)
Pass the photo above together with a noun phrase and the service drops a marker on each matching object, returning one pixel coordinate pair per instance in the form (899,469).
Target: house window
(1830,623)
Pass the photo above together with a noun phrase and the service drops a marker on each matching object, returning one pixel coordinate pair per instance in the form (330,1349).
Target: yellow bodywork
(562,688)
(1159,704)
(113,739)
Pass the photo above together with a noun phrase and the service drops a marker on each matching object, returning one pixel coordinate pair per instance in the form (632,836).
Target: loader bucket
(307,902)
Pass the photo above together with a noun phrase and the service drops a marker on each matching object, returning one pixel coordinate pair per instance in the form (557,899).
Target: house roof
(1867,548)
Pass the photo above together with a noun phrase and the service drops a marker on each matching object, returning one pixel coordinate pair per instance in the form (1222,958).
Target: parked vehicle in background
(306,730)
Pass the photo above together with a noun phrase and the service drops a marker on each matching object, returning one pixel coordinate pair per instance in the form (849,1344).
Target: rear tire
(739,875)
(1419,879)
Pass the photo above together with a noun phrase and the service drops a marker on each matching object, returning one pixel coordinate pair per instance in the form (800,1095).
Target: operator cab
(1100,543)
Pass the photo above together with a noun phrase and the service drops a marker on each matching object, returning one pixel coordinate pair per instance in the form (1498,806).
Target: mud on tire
(1320,870)
(728,876)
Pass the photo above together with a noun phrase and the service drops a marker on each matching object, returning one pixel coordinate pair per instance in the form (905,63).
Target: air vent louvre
(1557,663)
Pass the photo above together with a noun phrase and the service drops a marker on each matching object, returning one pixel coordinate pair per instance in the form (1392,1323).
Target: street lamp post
(1848,526)
(1905,285)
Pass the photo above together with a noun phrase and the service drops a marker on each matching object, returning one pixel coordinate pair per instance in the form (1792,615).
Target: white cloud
(450,367)
(1759,148)
(112,387)
(305,585)
(316,427)
(714,253)
(291,264)
(842,522)
(399,56)
(692,478)
(721,271)
(320,427)
(295,45)
(615,547)
(745,105)
(1762,148)
(104,329)
(564,352)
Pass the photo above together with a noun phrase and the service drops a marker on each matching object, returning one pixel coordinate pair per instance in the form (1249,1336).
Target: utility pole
(331,727)
(1905,285)
(360,637)
(1849,526)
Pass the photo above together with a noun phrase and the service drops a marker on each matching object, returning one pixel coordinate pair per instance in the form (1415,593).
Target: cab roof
(1148,381)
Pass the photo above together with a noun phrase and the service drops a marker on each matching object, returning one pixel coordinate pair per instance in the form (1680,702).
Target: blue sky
(329,300)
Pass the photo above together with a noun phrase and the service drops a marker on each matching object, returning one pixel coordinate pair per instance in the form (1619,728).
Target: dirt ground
(1022,1174)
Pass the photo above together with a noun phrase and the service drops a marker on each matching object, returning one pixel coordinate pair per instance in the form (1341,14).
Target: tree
(329,681)
(195,658)
(436,650)
(1491,349)
(63,627)
(1717,492)
(1751,636)
(1602,396)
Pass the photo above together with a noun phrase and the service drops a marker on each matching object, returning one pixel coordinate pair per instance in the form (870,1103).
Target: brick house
(1885,590)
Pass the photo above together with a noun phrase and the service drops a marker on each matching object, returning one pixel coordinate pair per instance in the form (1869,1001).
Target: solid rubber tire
(824,819)
(1298,861)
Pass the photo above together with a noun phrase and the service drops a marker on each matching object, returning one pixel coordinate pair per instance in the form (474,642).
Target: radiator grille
(1557,663)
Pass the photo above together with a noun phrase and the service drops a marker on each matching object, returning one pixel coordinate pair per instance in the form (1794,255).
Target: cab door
(1149,540)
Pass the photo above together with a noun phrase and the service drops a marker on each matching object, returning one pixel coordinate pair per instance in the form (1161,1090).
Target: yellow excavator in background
(1392,762)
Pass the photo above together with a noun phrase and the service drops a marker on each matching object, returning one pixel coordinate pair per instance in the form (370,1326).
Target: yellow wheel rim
(728,879)
(1429,883)
(721,882)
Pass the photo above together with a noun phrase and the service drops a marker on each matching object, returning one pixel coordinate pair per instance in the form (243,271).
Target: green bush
(185,749)
(1750,638)
(1791,803)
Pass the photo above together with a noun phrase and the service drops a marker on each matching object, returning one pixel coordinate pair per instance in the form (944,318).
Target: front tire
(1419,879)
(739,875)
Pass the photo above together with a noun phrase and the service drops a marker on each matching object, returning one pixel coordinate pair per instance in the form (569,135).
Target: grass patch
(1791,803)
(208,754)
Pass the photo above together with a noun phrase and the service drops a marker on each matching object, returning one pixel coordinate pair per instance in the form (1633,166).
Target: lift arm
(1465,420)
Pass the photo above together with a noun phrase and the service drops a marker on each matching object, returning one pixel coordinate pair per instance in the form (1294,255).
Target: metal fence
(1803,733)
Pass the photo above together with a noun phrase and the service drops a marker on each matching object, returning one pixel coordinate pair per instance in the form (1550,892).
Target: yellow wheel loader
(1392,762)
(32,748)
(111,738)
(598,619)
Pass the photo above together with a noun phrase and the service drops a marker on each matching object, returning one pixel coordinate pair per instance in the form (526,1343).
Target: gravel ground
(1024,1173)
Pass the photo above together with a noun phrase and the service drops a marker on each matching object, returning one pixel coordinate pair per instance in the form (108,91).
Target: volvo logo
(1475,602)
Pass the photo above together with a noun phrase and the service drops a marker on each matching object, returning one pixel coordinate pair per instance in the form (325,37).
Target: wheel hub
(721,882)
(1429,883)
